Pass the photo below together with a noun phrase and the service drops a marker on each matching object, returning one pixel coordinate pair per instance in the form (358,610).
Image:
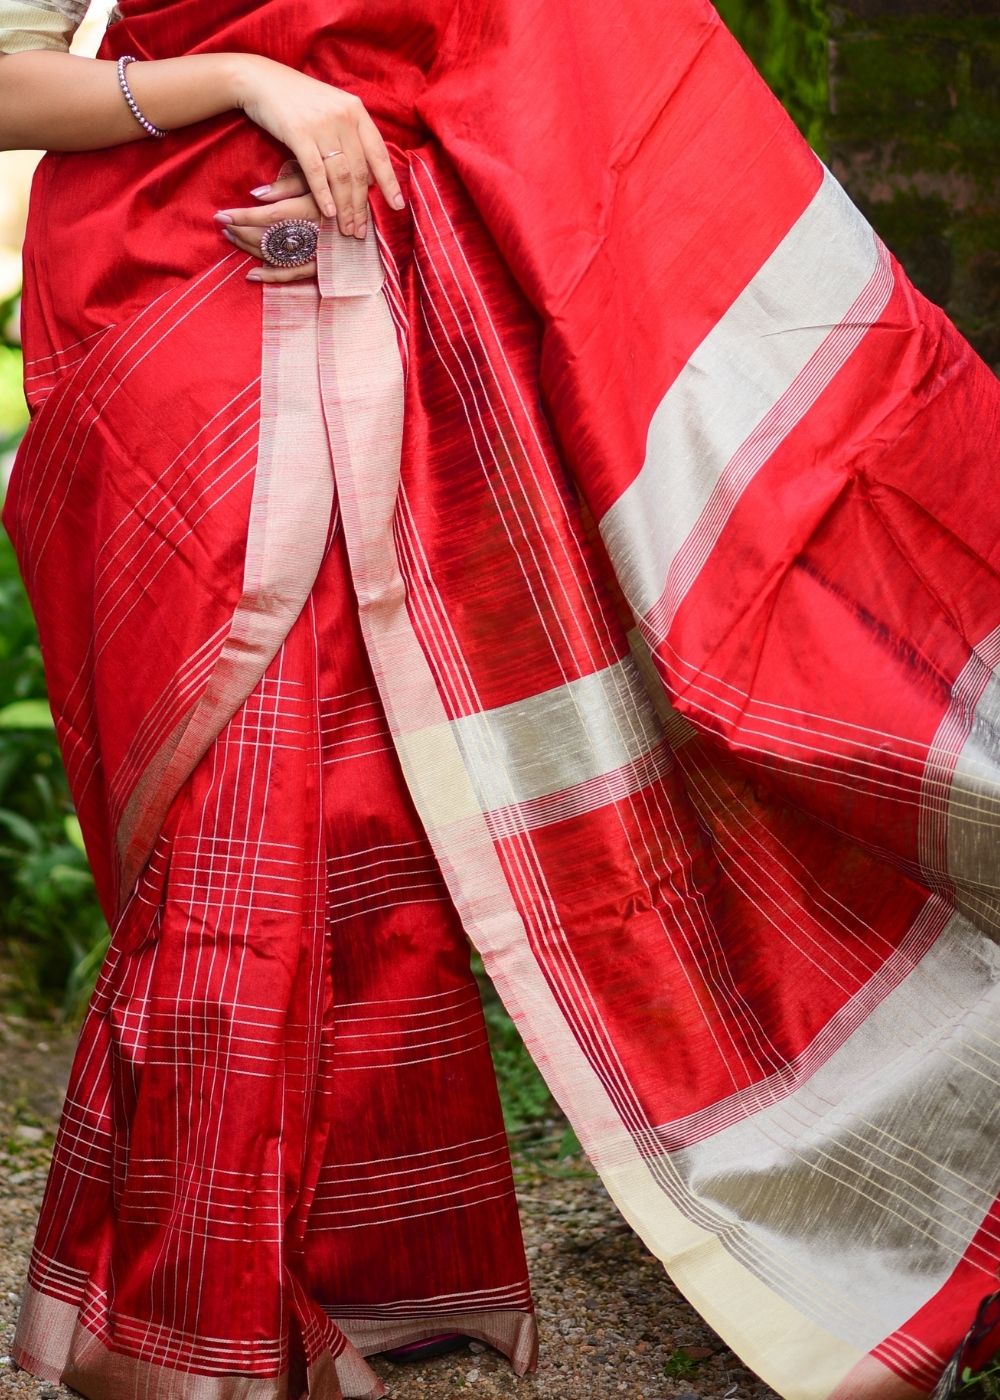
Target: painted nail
(254,277)
(228,233)
(261,189)
(360,230)
(222,217)
(329,210)
(398,201)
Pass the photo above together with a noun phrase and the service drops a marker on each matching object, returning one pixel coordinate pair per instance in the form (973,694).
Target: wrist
(241,75)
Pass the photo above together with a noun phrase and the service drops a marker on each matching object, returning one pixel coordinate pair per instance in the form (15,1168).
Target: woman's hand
(289,198)
(314,119)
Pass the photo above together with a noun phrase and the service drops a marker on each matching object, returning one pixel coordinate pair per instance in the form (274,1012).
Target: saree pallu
(665,510)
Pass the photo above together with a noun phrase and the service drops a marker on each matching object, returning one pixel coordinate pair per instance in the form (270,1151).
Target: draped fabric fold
(659,505)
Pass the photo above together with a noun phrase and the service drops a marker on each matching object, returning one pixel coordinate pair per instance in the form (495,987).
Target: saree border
(56,1345)
(290,512)
(362,375)
(361,367)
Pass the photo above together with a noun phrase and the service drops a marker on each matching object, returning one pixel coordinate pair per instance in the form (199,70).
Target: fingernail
(228,233)
(261,189)
(360,230)
(222,217)
(254,277)
(398,201)
(329,210)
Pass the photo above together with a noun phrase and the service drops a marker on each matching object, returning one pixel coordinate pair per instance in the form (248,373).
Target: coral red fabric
(669,527)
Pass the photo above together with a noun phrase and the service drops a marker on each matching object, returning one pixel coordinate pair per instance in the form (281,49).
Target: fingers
(244,227)
(293,190)
(348,169)
(303,207)
(377,157)
(353,156)
(335,172)
(282,274)
(248,241)
(286,188)
(247,238)
(314,172)
(244,238)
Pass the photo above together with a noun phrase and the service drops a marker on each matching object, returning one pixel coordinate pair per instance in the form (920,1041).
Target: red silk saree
(598,562)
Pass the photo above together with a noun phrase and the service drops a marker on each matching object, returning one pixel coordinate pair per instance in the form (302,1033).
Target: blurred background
(901,98)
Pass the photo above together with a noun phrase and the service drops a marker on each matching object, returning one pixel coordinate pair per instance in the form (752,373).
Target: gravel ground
(610,1322)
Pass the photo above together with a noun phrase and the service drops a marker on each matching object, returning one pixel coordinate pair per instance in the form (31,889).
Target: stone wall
(902,99)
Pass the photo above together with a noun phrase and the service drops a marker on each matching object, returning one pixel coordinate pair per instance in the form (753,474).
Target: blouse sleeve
(39,24)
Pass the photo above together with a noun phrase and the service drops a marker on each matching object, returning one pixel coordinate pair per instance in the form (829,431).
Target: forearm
(63,102)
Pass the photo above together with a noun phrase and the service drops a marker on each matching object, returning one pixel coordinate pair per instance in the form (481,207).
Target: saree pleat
(282,1108)
(601,568)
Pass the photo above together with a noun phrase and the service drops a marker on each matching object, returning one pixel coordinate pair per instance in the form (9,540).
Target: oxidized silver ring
(289,242)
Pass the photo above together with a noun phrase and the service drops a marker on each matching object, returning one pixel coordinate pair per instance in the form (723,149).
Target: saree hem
(59,1348)
(513,1333)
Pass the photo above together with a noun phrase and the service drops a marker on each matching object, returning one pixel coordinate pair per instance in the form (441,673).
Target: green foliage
(51,925)
(12,409)
(928,83)
(50,921)
(914,131)
(981,1385)
(787,41)
(680,1363)
(26,714)
(524,1096)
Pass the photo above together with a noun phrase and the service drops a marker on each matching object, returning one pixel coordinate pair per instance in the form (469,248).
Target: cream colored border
(360,366)
(289,519)
(513,1333)
(53,1344)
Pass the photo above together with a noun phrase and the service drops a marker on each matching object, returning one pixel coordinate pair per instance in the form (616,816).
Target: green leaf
(74,833)
(21,829)
(569,1144)
(26,714)
(84,971)
(67,878)
(13,410)
(680,1363)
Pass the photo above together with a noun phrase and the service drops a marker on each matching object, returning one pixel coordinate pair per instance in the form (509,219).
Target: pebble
(27,1133)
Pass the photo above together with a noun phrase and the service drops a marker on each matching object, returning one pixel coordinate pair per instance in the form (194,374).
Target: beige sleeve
(39,24)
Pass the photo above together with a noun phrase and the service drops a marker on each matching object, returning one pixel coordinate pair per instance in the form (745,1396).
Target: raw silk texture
(597,562)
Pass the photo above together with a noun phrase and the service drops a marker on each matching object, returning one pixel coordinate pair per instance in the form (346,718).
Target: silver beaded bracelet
(144,122)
